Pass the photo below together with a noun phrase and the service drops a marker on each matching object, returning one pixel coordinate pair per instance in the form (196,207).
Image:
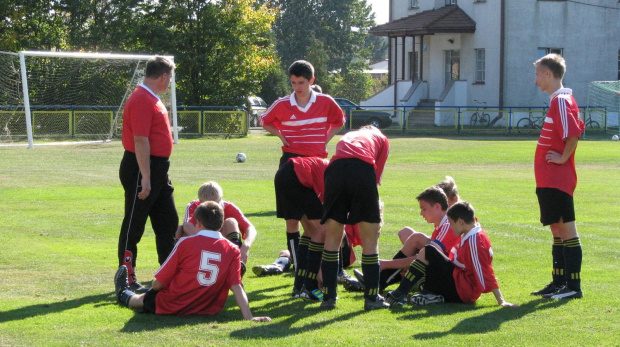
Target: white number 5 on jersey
(207,274)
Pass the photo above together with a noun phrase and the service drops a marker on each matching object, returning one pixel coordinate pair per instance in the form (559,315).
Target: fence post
(458,120)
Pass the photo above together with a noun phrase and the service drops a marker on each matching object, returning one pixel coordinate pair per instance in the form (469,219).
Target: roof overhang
(448,19)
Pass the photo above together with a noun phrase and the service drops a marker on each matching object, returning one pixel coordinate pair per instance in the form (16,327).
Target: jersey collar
(312,100)
(149,90)
(210,233)
(470,233)
(561,91)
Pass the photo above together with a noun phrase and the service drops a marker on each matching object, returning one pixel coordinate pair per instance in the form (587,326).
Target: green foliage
(354,85)
(61,222)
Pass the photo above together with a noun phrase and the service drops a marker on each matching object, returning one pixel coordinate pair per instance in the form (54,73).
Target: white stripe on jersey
(294,123)
(186,218)
(443,231)
(563,116)
(473,251)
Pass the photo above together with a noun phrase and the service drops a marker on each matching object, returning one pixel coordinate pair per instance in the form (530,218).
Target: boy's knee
(230,226)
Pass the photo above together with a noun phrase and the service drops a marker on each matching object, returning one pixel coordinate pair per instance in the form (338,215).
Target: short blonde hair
(555,63)
(449,187)
(210,191)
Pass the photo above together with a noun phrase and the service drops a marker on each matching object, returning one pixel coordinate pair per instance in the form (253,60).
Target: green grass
(61,209)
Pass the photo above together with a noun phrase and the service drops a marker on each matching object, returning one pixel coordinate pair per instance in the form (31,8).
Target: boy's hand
(554,157)
(261,319)
(507,304)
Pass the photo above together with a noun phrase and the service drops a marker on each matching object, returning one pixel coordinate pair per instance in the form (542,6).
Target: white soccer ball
(615,138)
(241,158)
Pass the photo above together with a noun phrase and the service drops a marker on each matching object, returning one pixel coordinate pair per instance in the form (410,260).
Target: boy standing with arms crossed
(556,178)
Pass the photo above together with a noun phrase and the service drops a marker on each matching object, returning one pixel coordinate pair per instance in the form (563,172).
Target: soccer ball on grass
(241,158)
(614,138)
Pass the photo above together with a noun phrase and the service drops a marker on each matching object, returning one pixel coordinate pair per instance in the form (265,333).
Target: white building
(470,52)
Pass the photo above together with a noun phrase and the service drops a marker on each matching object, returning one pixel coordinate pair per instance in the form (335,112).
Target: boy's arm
(331,133)
(157,286)
(500,299)
(272,129)
(569,148)
(244,306)
(250,236)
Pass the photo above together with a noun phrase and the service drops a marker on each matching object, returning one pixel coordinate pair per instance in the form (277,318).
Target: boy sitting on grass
(196,277)
(461,278)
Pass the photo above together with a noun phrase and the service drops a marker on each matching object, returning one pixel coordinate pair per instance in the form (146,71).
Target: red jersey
(562,121)
(146,115)
(352,232)
(306,128)
(368,145)
(198,274)
(230,211)
(473,274)
(311,171)
(444,236)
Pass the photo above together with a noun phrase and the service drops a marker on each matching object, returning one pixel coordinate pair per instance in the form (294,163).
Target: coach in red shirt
(144,169)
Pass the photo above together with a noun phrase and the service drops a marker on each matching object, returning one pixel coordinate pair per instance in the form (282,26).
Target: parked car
(256,105)
(361,116)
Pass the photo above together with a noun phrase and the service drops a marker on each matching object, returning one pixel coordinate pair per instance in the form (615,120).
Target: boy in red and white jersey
(463,279)
(237,228)
(196,276)
(556,178)
(305,121)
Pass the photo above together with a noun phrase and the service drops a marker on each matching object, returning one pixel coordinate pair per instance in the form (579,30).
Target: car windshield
(257,101)
(345,103)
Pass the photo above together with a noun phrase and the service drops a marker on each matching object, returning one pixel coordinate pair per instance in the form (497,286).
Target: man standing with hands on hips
(144,169)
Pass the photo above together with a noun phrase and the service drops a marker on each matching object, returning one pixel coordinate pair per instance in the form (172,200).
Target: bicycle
(592,124)
(525,126)
(482,118)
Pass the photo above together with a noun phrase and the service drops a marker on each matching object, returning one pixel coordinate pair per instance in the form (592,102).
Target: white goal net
(68,96)
(603,98)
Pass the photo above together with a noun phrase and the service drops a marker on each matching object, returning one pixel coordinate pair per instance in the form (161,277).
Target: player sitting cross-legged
(237,228)
(462,277)
(196,277)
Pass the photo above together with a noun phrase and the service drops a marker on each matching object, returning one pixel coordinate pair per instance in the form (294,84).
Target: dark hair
(555,63)
(301,68)
(434,195)
(210,214)
(158,66)
(449,187)
(317,88)
(462,210)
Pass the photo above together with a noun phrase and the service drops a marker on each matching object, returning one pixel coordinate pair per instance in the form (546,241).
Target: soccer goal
(603,105)
(68,96)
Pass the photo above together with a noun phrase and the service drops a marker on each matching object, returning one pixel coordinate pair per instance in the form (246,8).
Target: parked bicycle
(525,126)
(590,123)
(480,117)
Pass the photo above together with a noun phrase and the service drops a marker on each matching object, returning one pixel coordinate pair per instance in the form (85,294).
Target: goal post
(603,98)
(70,94)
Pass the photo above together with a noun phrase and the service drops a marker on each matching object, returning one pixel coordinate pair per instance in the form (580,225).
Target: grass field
(61,209)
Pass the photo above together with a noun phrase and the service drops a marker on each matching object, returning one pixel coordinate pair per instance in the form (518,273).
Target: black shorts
(439,279)
(293,199)
(286,155)
(351,194)
(150,302)
(555,206)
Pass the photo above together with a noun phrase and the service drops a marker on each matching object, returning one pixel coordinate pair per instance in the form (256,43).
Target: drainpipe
(501,52)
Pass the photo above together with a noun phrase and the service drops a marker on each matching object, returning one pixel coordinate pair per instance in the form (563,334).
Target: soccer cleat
(296,293)
(314,295)
(359,276)
(328,304)
(565,293)
(548,289)
(243,269)
(395,298)
(121,283)
(426,299)
(135,286)
(266,270)
(376,304)
(349,283)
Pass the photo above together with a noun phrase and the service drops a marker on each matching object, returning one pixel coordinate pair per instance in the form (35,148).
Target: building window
(414,4)
(452,67)
(542,51)
(413,66)
(480,65)
(450,2)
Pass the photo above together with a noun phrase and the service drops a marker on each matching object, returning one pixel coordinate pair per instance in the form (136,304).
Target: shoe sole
(565,296)
(119,273)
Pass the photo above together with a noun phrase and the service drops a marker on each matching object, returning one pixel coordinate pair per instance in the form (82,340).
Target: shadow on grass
(55,307)
(487,322)
(261,214)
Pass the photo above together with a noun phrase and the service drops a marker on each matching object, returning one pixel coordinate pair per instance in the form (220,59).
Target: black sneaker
(296,293)
(426,299)
(376,304)
(359,276)
(548,289)
(395,298)
(353,285)
(121,283)
(328,304)
(266,270)
(136,287)
(565,293)
(243,269)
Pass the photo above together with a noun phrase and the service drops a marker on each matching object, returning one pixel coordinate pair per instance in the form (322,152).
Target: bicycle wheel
(525,126)
(594,125)
(484,120)
(474,119)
